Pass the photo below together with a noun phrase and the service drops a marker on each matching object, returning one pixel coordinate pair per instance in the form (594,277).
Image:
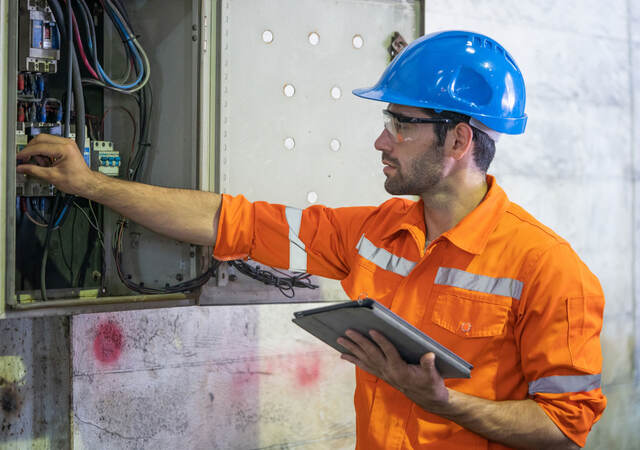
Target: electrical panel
(167,93)
(64,253)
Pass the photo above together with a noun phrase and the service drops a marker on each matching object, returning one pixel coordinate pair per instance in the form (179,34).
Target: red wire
(76,33)
(81,49)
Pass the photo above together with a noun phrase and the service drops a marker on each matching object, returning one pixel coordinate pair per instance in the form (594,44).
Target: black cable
(67,106)
(87,17)
(74,84)
(78,93)
(45,253)
(186,286)
(284,283)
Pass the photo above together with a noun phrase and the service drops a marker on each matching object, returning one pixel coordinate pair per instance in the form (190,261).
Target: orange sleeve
(322,240)
(558,333)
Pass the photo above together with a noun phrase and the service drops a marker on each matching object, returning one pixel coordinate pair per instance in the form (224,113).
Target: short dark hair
(484,149)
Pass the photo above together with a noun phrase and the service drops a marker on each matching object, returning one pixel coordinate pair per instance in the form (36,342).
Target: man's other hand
(421,383)
(58,161)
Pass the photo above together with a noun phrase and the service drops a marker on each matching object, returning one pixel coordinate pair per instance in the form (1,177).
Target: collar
(471,234)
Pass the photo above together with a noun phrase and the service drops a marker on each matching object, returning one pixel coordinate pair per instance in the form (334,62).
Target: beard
(421,175)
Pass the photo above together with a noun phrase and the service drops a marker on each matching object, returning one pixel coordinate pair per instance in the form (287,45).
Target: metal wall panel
(290,130)
(257,117)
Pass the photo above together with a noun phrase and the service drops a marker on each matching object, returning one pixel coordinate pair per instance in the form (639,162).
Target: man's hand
(57,161)
(182,214)
(421,383)
(516,423)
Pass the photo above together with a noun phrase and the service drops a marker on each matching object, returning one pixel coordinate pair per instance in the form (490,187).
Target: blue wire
(64,211)
(136,55)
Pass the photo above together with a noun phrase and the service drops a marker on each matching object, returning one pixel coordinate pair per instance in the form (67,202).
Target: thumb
(428,362)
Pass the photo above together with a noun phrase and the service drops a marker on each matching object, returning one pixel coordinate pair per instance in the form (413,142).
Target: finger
(370,348)
(352,347)
(34,171)
(389,350)
(355,361)
(428,363)
(52,151)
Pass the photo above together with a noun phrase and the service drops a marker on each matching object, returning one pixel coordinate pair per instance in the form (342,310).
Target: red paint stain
(108,342)
(307,370)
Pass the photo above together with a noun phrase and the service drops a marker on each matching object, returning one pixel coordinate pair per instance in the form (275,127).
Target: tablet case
(328,323)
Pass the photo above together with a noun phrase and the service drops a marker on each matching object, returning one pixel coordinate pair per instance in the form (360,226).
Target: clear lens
(390,123)
(393,126)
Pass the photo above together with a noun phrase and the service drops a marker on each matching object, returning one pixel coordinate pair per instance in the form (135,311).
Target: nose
(384,141)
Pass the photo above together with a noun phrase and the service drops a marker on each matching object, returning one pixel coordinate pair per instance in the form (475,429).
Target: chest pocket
(473,305)
(470,316)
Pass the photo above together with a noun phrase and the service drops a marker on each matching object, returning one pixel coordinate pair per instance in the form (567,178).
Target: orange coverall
(500,289)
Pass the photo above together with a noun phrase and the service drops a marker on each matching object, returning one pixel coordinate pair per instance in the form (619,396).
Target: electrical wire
(92,224)
(118,16)
(186,286)
(74,85)
(80,46)
(285,284)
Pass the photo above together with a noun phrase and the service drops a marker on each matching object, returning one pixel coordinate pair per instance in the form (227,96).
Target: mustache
(388,158)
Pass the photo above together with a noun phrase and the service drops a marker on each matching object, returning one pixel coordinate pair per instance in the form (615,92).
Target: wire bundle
(137,60)
(285,283)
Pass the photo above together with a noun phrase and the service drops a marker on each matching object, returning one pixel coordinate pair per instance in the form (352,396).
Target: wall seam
(634,280)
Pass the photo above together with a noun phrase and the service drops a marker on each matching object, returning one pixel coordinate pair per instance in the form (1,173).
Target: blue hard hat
(459,71)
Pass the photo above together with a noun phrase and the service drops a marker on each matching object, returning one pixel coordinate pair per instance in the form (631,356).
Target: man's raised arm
(182,214)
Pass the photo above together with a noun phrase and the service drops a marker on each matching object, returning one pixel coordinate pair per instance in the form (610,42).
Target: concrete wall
(245,377)
(575,167)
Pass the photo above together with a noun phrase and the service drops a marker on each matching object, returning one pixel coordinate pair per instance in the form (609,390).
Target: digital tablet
(328,323)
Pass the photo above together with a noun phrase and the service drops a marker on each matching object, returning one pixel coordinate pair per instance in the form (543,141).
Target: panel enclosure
(170,33)
(225,119)
(291,131)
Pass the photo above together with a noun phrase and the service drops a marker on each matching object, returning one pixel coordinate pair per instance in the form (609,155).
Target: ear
(463,140)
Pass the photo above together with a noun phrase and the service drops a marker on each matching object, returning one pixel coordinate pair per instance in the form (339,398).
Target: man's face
(414,163)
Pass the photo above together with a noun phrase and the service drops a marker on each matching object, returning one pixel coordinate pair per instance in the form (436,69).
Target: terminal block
(107,159)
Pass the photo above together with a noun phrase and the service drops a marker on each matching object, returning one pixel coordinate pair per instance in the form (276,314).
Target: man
(464,264)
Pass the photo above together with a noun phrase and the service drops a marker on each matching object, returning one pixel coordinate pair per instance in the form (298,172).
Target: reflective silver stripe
(507,287)
(562,384)
(384,259)
(297,253)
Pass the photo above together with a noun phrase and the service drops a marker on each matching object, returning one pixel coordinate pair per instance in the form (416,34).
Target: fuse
(42,117)
(20,82)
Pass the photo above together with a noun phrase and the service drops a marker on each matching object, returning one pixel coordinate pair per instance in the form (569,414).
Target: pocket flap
(470,317)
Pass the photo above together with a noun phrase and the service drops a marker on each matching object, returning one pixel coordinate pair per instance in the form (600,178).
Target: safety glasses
(396,124)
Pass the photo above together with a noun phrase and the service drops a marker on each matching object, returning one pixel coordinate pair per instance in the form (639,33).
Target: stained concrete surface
(34,383)
(227,377)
